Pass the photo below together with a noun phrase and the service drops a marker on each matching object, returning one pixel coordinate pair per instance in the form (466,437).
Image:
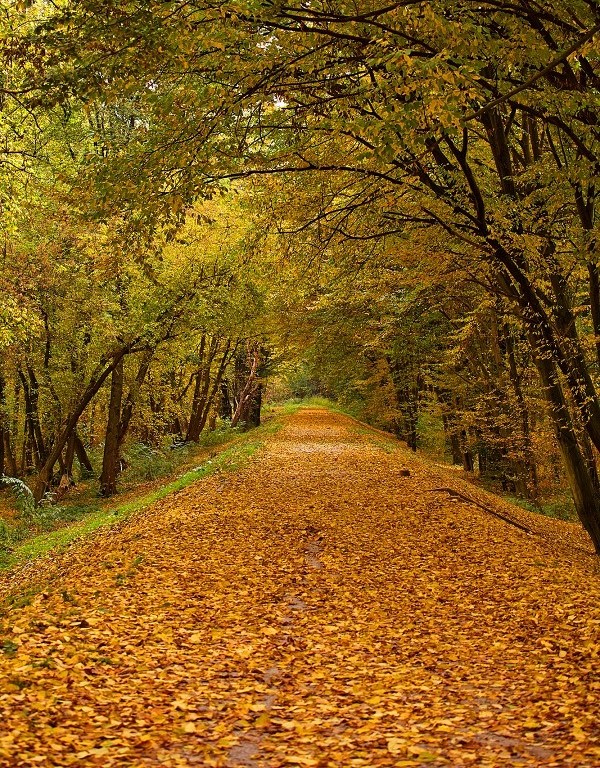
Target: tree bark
(528,470)
(215,388)
(244,401)
(108,477)
(81,454)
(585,491)
(201,388)
(132,398)
(9,457)
(32,420)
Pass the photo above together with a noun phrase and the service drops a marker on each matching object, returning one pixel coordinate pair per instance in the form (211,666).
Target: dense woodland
(390,205)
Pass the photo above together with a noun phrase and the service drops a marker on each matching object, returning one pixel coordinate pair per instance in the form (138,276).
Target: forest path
(316,608)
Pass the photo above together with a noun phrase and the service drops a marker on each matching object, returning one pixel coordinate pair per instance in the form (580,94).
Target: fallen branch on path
(468,500)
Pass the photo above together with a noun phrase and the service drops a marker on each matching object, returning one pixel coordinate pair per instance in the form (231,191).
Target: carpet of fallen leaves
(317,608)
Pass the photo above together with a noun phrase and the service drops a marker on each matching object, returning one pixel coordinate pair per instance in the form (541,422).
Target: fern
(22,493)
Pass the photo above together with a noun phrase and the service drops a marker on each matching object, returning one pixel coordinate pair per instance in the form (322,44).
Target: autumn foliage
(318,608)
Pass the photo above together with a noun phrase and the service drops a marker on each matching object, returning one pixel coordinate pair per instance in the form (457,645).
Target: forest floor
(318,607)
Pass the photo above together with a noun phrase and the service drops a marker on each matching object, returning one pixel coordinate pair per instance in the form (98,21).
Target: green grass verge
(90,518)
(559,508)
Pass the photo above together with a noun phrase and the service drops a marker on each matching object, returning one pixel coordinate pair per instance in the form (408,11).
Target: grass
(559,508)
(84,518)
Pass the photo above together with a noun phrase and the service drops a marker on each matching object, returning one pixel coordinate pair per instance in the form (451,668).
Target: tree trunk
(452,440)
(585,491)
(3,427)
(594,288)
(32,421)
(468,461)
(526,468)
(215,388)
(244,402)
(81,454)
(9,457)
(132,398)
(201,387)
(225,409)
(110,459)
(254,411)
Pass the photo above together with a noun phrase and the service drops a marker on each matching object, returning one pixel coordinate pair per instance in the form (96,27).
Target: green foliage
(22,493)
(560,507)
(148,463)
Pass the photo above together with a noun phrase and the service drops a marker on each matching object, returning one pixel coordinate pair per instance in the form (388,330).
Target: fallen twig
(469,500)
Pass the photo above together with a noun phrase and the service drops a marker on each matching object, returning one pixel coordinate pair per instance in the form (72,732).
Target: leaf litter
(321,607)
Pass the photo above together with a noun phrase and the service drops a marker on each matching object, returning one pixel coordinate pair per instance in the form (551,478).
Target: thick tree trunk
(584,488)
(110,459)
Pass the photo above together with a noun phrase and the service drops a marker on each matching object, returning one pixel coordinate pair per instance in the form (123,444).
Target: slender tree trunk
(455,448)
(66,465)
(216,384)
(108,477)
(254,411)
(32,424)
(468,461)
(9,457)
(132,398)
(81,454)
(35,414)
(594,287)
(3,427)
(225,409)
(244,401)
(529,467)
(70,456)
(452,440)
(201,388)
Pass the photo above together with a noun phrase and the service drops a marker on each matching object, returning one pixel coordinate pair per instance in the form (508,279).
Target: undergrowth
(561,508)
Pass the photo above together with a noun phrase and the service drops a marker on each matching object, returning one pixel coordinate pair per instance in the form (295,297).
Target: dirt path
(318,608)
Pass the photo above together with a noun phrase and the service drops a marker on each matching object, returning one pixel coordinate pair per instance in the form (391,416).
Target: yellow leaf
(262,721)
(395,745)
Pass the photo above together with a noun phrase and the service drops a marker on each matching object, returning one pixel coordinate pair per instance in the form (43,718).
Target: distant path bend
(317,608)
